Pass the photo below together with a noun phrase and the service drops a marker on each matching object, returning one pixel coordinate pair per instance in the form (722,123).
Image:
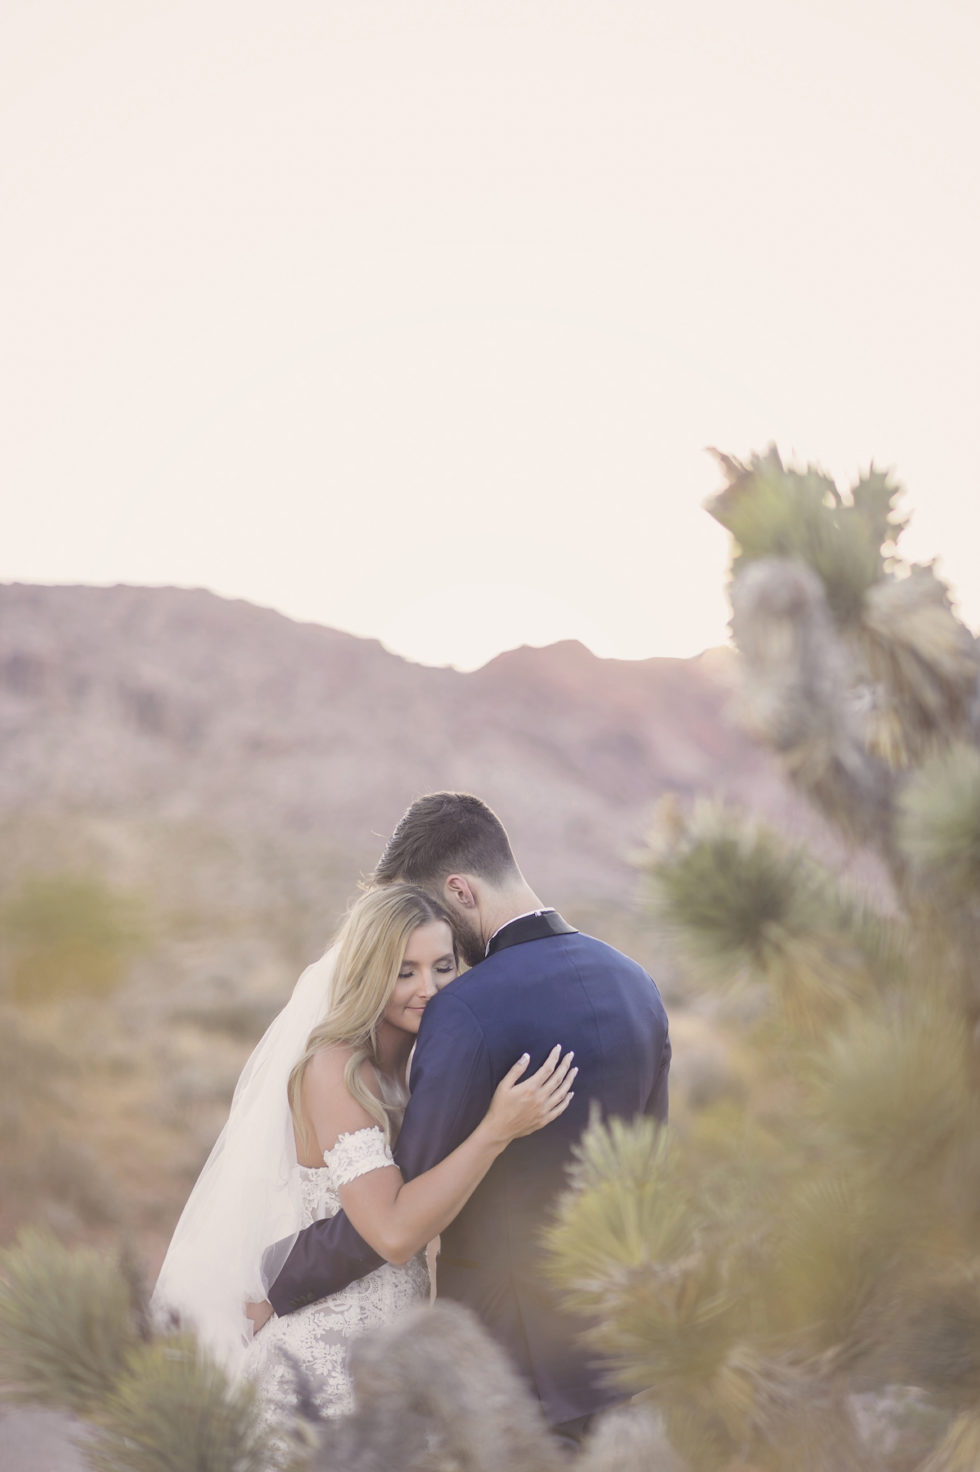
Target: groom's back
(576,991)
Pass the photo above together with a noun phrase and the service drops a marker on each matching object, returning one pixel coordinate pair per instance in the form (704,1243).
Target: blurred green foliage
(68,1322)
(173,1410)
(776,511)
(51,1171)
(68,934)
(802,1264)
(75,1336)
(939,824)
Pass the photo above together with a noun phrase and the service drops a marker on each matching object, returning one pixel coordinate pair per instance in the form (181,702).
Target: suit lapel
(530,927)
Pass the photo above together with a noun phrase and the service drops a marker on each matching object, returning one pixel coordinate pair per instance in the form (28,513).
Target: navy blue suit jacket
(558,988)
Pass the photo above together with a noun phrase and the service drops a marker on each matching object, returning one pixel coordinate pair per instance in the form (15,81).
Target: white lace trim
(314,1341)
(356,1154)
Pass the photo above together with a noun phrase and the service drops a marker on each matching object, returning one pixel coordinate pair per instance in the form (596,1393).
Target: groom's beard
(471,944)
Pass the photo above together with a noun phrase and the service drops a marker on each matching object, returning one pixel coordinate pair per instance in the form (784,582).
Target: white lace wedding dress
(314,1341)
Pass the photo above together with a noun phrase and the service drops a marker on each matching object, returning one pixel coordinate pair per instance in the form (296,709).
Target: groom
(535,982)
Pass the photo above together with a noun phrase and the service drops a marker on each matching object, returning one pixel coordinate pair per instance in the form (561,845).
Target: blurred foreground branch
(433,1392)
(794,1284)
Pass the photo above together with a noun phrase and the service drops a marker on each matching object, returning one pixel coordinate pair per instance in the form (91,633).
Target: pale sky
(415,317)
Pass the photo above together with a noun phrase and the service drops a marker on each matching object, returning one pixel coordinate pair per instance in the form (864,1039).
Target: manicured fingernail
(525,1058)
(574,1072)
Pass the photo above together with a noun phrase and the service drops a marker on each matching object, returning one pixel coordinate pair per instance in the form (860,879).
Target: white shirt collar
(544,910)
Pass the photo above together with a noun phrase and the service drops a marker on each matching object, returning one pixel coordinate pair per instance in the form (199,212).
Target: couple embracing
(337,1166)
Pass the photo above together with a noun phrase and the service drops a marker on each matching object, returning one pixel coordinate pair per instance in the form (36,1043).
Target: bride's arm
(395,1217)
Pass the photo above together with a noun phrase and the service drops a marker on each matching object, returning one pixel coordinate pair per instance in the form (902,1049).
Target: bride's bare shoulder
(326,1071)
(328,1106)
(332,1059)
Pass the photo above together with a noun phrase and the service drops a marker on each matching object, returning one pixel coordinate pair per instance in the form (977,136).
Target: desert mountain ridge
(207,780)
(180,706)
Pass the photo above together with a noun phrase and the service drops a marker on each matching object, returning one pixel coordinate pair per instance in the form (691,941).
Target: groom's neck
(507,904)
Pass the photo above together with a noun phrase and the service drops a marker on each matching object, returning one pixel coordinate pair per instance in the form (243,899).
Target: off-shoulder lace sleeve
(356,1154)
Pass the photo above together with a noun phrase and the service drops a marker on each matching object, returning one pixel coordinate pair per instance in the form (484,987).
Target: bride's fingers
(560,1078)
(558,1107)
(569,1080)
(564,1091)
(553,1101)
(547,1068)
(514,1072)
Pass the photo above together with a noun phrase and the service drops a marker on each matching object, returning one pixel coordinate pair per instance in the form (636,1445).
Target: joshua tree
(795,1282)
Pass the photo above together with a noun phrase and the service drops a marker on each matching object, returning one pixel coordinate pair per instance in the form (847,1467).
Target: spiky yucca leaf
(895,1090)
(700,1435)
(875,498)
(625,1250)
(665,1328)
(768,1401)
(939,823)
(726,887)
(775,511)
(174,1411)
(829,1256)
(820,1435)
(802,694)
(68,1320)
(739,1157)
(625,1206)
(740,903)
(923,661)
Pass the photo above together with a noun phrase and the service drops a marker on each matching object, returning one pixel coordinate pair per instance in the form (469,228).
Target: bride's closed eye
(446,968)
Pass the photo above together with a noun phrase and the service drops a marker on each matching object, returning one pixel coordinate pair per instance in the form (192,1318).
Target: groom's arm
(451,1090)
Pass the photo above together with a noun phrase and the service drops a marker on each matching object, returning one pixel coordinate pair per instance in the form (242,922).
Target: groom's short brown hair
(446,833)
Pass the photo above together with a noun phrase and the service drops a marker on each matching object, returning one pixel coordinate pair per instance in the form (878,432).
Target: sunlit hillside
(190,791)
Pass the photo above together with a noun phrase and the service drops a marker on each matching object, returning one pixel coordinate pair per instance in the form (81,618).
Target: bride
(312,1124)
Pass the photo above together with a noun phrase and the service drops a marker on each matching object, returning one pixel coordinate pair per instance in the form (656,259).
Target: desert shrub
(68,935)
(35,1078)
(68,1321)
(173,1410)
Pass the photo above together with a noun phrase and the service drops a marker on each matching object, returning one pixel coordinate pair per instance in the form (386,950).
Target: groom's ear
(458,893)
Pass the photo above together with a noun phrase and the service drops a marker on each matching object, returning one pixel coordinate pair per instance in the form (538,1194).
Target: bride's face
(428,963)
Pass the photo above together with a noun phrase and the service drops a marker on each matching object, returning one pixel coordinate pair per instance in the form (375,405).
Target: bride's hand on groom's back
(258,1314)
(522,1105)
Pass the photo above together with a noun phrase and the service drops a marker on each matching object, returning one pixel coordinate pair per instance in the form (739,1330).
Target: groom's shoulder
(477,996)
(580,942)
(551,953)
(602,949)
(605,957)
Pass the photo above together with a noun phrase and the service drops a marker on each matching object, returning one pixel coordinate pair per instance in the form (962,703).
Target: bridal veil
(248,1194)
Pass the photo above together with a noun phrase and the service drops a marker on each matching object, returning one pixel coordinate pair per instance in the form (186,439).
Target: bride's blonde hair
(371,946)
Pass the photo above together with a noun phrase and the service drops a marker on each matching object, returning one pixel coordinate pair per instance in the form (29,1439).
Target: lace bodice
(353,1155)
(316,1338)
